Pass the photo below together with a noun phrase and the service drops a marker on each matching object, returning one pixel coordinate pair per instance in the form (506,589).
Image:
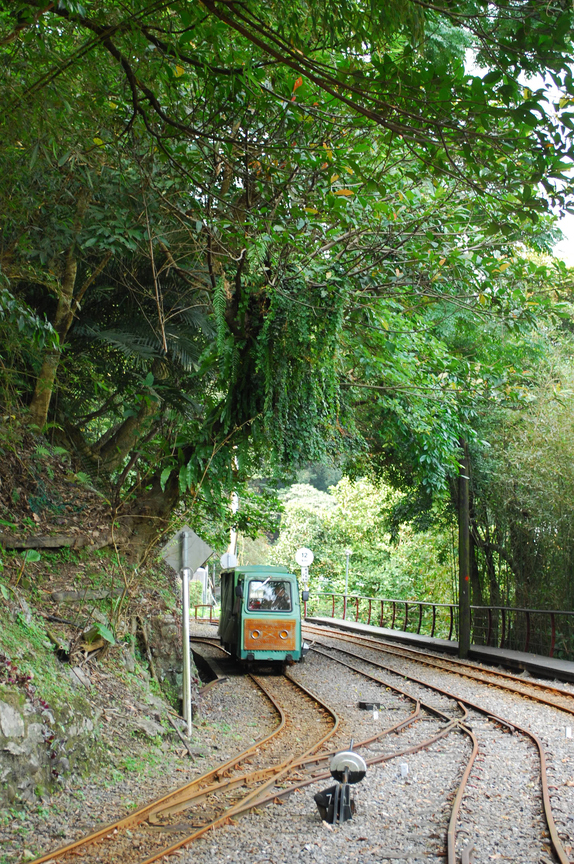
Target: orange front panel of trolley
(269,634)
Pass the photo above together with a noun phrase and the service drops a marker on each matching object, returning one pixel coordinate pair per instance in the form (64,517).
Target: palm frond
(138,347)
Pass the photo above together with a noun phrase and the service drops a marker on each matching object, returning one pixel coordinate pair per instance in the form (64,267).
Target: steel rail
(185,794)
(247,802)
(383,734)
(324,757)
(455,810)
(231,782)
(556,842)
(140,815)
(453,724)
(315,778)
(452,663)
(304,762)
(179,796)
(374,760)
(547,807)
(255,799)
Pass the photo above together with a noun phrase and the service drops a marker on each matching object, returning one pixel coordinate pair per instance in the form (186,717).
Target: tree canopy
(265,235)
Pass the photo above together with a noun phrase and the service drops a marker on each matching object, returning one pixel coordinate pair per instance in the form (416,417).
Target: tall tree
(324,186)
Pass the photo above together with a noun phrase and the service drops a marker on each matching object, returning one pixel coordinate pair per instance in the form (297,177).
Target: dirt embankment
(45,501)
(90,645)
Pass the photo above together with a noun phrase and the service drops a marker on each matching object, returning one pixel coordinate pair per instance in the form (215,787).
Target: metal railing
(549,632)
(540,631)
(203,606)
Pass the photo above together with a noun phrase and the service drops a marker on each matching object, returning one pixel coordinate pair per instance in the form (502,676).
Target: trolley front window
(272,595)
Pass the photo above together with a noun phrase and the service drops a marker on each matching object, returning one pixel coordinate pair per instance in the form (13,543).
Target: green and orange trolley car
(261,615)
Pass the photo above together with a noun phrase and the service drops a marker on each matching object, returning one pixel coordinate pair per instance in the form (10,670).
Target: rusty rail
(196,790)
(532,689)
(465,703)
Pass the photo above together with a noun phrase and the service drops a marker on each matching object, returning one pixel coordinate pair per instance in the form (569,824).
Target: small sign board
(304,557)
(228,561)
(197,550)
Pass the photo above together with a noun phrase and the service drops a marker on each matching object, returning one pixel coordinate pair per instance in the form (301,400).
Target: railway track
(158,829)
(276,766)
(546,694)
(448,715)
(480,716)
(310,770)
(444,724)
(269,770)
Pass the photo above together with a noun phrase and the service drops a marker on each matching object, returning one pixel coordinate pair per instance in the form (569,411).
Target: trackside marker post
(185,631)
(304,558)
(186,553)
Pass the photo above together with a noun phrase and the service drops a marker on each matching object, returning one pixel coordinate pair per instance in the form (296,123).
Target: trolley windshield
(272,595)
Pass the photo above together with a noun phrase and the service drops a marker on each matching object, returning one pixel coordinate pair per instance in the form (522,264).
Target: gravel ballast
(398,818)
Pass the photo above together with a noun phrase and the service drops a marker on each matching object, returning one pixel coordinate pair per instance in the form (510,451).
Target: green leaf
(34,155)
(183,476)
(105,632)
(63,159)
(165,474)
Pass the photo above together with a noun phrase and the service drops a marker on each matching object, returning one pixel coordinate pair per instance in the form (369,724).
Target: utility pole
(463,554)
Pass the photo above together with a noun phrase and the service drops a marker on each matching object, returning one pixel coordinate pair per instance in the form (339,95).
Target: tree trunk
(494,587)
(115,450)
(475,582)
(149,516)
(45,383)
(463,555)
(40,403)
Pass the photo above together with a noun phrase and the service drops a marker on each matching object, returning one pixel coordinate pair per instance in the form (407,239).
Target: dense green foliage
(266,235)
(355,516)
(521,505)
